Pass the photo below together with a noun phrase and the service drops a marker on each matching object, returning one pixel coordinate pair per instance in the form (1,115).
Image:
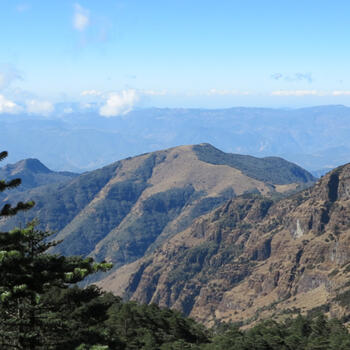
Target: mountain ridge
(251,259)
(127,209)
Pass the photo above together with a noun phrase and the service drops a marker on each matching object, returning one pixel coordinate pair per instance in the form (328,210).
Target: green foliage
(207,204)
(300,333)
(149,327)
(107,215)
(7,209)
(270,169)
(63,200)
(192,261)
(344,298)
(92,320)
(138,235)
(27,274)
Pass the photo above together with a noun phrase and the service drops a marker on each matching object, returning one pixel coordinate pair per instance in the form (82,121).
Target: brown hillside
(151,197)
(251,259)
(127,209)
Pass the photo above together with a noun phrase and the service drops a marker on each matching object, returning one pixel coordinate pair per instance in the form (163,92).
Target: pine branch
(3,155)
(8,210)
(9,185)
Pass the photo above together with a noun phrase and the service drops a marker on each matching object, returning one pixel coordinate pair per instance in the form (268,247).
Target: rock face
(252,258)
(127,209)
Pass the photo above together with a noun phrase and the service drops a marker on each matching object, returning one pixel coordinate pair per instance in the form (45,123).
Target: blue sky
(175,53)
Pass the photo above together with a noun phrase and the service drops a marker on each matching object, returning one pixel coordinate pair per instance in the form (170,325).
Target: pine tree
(7,209)
(27,273)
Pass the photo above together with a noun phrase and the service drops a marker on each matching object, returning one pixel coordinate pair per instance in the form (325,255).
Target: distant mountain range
(125,210)
(316,138)
(33,174)
(253,258)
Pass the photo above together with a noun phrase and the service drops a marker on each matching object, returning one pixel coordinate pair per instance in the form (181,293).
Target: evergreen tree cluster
(300,333)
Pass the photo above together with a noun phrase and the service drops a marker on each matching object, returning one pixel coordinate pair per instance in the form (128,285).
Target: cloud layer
(216,92)
(7,106)
(296,93)
(91,93)
(39,107)
(81,19)
(310,93)
(119,103)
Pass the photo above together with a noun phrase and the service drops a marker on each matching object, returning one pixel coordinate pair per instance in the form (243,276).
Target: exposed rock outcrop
(252,258)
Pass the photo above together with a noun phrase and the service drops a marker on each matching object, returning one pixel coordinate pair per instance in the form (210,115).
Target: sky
(130,54)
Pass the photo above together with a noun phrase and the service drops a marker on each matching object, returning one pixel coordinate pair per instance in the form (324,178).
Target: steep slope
(251,258)
(127,209)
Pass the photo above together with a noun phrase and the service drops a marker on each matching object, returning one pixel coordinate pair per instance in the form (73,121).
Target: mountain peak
(33,173)
(30,164)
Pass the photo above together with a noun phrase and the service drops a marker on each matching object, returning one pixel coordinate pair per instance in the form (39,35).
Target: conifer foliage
(7,209)
(27,273)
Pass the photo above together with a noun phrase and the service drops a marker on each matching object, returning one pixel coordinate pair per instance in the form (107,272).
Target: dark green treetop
(7,209)
(27,272)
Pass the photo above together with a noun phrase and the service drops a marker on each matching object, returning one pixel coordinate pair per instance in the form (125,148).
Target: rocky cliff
(252,258)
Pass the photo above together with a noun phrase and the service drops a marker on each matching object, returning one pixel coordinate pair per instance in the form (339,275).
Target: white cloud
(91,93)
(154,92)
(297,93)
(216,92)
(147,92)
(81,18)
(310,93)
(68,110)
(86,105)
(39,107)
(341,93)
(119,103)
(7,106)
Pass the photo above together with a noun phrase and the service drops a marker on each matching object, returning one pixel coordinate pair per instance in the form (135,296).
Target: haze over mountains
(315,138)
